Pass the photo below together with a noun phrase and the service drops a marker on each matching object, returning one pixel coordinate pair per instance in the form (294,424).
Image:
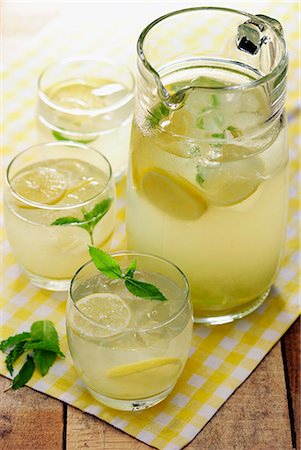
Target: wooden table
(263,414)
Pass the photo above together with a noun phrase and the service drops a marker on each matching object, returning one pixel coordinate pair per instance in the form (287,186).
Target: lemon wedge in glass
(143,379)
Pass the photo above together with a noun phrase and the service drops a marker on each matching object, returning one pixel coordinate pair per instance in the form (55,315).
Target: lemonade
(57,185)
(77,104)
(129,351)
(207,189)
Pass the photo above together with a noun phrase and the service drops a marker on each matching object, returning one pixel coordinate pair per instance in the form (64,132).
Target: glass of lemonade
(59,198)
(129,351)
(88,101)
(207,185)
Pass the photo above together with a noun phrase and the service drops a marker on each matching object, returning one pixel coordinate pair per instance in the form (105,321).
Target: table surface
(263,413)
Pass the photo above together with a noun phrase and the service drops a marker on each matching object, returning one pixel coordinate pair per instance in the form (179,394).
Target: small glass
(88,101)
(131,354)
(59,198)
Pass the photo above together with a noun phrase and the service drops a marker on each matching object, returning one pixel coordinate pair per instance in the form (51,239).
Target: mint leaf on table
(13,355)
(106,264)
(12,340)
(144,290)
(44,330)
(43,344)
(43,360)
(25,374)
(44,336)
(90,218)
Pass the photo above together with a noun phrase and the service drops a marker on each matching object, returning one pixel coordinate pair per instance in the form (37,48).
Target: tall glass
(207,184)
(129,351)
(88,101)
(59,198)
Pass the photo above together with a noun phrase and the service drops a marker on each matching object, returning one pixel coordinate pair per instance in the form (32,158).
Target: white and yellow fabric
(221,358)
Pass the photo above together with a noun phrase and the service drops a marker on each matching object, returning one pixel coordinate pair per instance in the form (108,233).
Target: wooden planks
(256,417)
(291,356)
(85,431)
(29,420)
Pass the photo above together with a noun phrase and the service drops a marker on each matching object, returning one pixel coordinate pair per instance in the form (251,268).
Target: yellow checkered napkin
(221,358)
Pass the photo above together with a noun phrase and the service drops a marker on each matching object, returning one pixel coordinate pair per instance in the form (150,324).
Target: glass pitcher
(207,184)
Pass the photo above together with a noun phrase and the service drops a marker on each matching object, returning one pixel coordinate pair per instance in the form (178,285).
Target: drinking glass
(129,351)
(88,101)
(207,183)
(59,198)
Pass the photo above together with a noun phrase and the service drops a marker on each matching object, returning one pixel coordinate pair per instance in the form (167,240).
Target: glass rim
(279,69)
(56,207)
(91,111)
(137,254)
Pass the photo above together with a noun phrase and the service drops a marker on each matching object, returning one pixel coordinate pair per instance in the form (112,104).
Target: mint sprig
(90,218)
(106,264)
(159,112)
(61,137)
(42,345)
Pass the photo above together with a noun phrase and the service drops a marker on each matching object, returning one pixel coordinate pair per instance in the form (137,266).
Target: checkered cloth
(221,358)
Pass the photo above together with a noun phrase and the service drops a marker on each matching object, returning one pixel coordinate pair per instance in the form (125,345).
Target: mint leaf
(109,267)
(105,263)
(25,374)
(91,218)
(67,221)
(43,360)
(44,330)
(129,272)
(200,123)
(72,221)
(13,355)
(12,340)
(61,137)
(97,213)
(199,178)
(215,100)
(157,113)
(44,345)
(44,336)
(234,131)
(218,135)
(144,290)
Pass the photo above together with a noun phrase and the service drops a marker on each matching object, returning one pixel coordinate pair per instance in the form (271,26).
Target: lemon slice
(77,94)
(144,378)
(227,186)
(175,196)
(110,312)
(40,185)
